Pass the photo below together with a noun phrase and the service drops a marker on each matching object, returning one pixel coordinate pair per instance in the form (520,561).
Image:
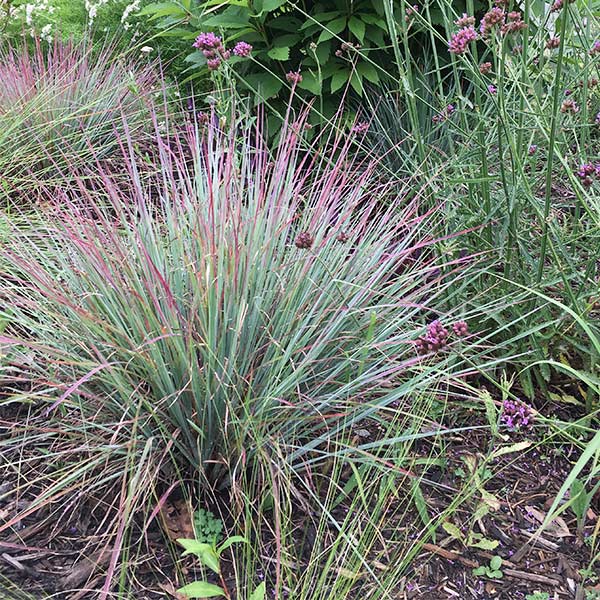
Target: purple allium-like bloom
(597,119)
(207,41)
(492,89)
(485,68)
(532,149)
(595,48)
(493,17)
(461,39)
(360,127)
(293,77)
(569,106)
(242,49)
(435,339)
(213,63)
(465,21)
(516,414)
(586,173)
(553,42)
(305,240)
(460,328)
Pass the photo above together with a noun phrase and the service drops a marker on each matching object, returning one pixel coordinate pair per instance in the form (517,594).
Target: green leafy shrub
(332,45)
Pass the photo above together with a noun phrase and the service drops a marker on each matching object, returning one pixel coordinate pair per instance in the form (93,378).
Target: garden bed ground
(47,554)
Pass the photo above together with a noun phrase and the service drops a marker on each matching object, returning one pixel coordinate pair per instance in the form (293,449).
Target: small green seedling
(207,527)
(491,571)
(472,539)
(209,556)
(538,596)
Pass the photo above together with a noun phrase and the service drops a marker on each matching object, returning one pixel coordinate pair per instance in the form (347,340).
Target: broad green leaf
(311,83)
(264,85)
(234,539)
(339,79)
(205,552)
(368,71)
(357,27)
(201,589)
(332,28)
(485,544)
(518,447)
(496,562)
(454,531)
(356,82)
(269,5)
(280,53)
(259,593)
(579,499)
(161,9)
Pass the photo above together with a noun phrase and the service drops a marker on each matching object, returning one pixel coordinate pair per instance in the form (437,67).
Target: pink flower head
(492,89)
(485,68)
(465,21)
(516,414)
(242,49)
(532,149)
(207,41)
(460,328)
(213,64)
(493,17)
(461,39)
(360,127)
(294,77)
(595,48)
(435,339)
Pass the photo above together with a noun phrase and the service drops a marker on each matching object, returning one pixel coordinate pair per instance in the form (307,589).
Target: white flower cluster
(39,16)
(132,7)
(32,13)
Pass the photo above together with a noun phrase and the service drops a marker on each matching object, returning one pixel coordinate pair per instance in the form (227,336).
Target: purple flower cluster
(595,48)
(360,127)
(493,17)
(445,114)
(516,414)
(465,21)
(215,52)
(532,149)
(460,328)
(587,172)
(293,77)
(461,39)
(242,49)
(437,336)
(435,339)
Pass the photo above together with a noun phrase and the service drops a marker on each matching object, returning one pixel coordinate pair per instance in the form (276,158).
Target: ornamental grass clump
(217,309)
(61,106)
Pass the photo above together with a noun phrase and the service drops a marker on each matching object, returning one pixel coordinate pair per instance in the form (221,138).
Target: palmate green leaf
(201,589)
(339,79)
(357,27)
(311,83)
(279,53)
(368,71)
(332,29)
(162,9)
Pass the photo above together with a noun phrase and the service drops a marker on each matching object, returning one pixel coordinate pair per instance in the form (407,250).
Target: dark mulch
(46,554)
